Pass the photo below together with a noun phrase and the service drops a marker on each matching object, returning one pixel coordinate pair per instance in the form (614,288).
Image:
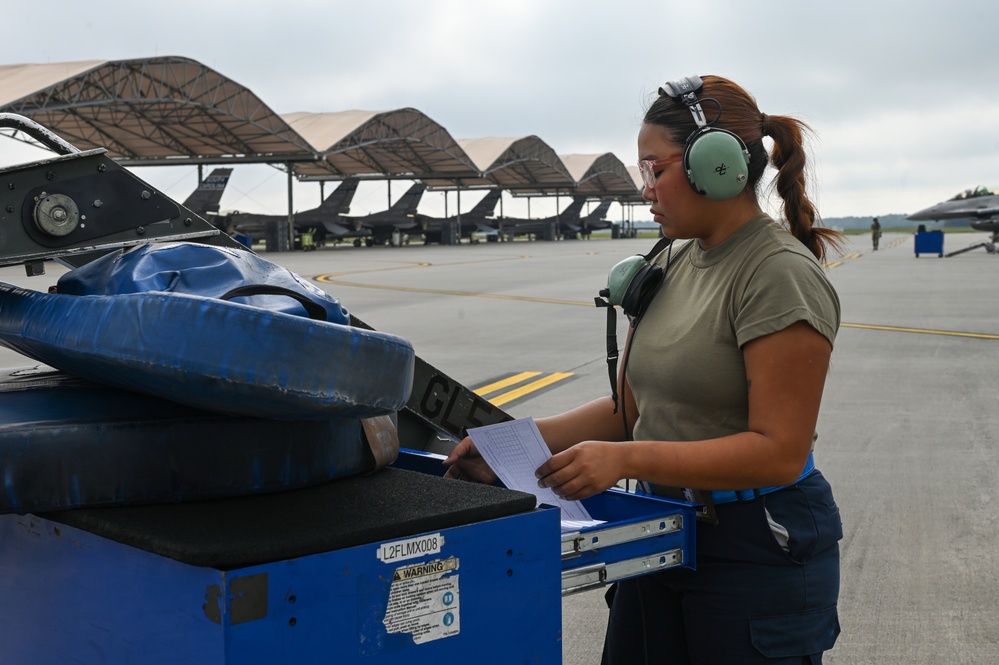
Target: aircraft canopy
(975,193)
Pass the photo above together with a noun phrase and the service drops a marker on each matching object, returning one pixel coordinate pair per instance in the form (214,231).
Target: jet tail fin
(205,199)
(487,205)
(409,201)
(573,209)
(598,213)
(338,202)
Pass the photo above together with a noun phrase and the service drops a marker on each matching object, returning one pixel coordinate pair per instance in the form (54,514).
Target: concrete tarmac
(907,432)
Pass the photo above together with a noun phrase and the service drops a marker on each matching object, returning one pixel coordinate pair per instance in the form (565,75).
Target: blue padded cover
(195,269)
(66,442)
(212,354)
(219,355)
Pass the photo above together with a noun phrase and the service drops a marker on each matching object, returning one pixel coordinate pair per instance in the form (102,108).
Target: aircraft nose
(925,215)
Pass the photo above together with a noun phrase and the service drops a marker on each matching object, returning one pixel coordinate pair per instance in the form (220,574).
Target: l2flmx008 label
(400,550)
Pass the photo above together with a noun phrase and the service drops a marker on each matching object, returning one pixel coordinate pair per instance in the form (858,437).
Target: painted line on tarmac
(857,255)
(922,331)
(551,301)
(328,276)
(504,383)
(326,279)
(523,390)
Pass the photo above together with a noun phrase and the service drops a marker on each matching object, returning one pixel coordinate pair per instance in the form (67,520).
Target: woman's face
(675,205)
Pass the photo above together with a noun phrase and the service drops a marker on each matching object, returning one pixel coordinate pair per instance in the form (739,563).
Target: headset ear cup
(642,286)
(717,164)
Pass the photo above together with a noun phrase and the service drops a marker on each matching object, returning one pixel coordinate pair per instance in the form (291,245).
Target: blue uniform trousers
(749,600)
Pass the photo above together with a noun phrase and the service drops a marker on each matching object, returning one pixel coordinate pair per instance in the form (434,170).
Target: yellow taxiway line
(523,390)
(330,278)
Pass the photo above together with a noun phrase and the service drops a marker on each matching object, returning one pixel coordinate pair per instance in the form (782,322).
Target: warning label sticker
(424,601)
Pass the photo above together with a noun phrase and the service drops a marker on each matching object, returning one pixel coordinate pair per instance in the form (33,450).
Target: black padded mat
(66,442)
(237,532)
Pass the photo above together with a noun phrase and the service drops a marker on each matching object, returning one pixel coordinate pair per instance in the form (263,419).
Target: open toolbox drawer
(640,533)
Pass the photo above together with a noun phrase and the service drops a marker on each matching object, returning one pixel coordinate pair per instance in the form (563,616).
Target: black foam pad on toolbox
(237,532)
(66,442)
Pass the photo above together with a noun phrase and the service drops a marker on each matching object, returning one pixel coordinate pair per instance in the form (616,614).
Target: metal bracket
(597,575)
(575,543)
(382,438)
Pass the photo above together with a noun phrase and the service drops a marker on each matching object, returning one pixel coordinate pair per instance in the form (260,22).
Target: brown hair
(736,111)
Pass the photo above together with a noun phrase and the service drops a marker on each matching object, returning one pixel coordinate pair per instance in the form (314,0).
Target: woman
(720,391)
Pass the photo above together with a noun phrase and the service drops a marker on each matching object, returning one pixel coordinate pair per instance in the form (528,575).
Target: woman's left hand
(583,470)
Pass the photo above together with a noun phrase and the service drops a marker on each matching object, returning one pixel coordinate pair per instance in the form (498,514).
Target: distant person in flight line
(722,395)
(875,233)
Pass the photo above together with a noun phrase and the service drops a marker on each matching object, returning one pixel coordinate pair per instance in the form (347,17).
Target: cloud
(901,96)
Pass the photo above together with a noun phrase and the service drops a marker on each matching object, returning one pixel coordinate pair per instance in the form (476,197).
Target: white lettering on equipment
(401,550)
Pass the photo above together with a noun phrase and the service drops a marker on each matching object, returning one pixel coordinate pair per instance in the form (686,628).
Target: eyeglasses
(647,167)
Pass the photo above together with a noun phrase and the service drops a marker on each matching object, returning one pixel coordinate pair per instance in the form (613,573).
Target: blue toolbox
(137,527)
(371,569)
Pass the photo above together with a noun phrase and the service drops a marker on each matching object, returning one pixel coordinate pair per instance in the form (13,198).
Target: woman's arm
(595,419)
(785,377)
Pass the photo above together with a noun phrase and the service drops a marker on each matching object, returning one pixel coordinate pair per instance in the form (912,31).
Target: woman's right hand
(465,463)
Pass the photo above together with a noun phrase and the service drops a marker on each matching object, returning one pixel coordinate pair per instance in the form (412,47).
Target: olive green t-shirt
(686,367)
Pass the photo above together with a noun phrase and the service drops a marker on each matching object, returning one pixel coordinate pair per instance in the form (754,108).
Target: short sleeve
(787,287)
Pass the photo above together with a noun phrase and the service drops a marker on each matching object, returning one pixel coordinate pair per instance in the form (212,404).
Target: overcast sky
(903,96)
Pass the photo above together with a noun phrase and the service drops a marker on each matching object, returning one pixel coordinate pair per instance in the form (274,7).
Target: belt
(729,496)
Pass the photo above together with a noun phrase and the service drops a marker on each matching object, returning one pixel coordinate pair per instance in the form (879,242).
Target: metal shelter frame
(172,110)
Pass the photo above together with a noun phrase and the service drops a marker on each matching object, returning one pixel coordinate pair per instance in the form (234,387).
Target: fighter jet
(205,199)
(324,223)
(471,221)
(587,224)
(545,226)
(382,227)
(980,206)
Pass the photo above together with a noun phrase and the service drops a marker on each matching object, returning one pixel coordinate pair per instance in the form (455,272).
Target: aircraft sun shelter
(173,110)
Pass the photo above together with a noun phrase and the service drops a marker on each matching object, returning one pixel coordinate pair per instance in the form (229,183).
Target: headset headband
(685,91)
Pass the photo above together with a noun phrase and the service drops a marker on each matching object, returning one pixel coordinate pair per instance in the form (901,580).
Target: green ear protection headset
(630,285)
(716,160)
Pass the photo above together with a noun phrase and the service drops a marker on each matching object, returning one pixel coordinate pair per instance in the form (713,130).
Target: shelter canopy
(599,175)
(149,110)
(174,110)
(511,163)
(401,143)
